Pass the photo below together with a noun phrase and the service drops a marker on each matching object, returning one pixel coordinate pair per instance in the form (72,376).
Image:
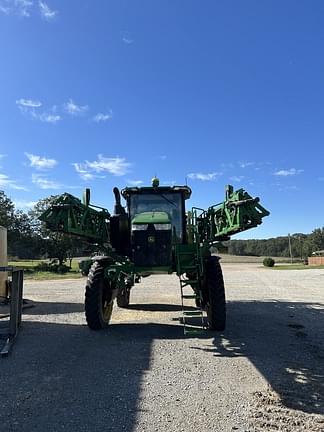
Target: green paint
(204,228)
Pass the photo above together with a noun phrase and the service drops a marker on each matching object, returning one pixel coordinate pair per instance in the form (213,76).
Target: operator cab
(157,221)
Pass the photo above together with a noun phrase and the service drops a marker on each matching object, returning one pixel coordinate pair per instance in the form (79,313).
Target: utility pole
(289,241)
(301,247)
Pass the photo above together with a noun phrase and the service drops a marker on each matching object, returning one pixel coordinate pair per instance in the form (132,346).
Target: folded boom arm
(238,212)
(69,215)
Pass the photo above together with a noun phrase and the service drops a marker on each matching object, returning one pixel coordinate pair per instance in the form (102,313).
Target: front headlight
(162,227)
(139,227)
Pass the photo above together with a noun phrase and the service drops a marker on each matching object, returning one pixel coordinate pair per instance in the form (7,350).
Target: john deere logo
(151,239)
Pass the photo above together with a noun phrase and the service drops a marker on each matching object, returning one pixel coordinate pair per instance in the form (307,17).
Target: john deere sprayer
(154,234)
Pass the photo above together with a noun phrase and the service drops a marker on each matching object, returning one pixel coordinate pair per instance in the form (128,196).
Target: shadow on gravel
(67,377)
(285,343)
(158,307)
(51,308)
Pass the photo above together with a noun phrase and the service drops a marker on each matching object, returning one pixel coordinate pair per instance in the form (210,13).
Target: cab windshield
(170,203)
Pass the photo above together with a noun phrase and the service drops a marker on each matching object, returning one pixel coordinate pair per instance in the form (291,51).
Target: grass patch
(246,259)
(295,267)
(52,276)
(31,272)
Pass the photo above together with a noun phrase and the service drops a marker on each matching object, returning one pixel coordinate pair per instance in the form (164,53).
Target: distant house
(318,253)
(317,258)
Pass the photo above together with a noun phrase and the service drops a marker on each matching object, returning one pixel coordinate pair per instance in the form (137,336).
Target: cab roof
(128,191)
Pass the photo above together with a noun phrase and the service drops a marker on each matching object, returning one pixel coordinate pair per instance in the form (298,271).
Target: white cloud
(48,118)
(6,182)
(162,157)
(16,7)
(237,179)
(89,170)
(245,164)
(5,9)
(30,107)
(28,103)
(22,7)
(204,177)
(116,166)
(102,117)
(128,41)
(288,172)
(44,183)
(25,205)
(74,109)
(25,8)
(86,176)
(83,172)
(135,182)
(126,38)
(40,163)
(46,13)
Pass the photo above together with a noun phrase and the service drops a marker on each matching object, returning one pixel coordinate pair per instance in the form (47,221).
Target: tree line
(301,245)
(29,239)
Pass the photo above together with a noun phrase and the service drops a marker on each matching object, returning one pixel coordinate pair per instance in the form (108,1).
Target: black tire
(98,302)
(216,304)
(123,297)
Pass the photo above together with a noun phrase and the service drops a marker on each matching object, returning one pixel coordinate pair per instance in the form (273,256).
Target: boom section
(238,212)
(70,216)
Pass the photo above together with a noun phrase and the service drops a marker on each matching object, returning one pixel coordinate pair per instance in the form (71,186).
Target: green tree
(316,239)
(21,238)
(7,211)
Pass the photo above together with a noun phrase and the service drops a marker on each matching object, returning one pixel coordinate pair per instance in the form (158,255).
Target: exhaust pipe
(118,209)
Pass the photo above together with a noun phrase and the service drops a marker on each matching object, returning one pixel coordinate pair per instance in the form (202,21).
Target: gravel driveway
(264,373)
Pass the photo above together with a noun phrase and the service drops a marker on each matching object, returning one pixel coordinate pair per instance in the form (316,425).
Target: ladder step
(192,313)
(188,281)
(189,296)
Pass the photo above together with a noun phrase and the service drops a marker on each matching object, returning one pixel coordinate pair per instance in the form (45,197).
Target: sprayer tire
(216,304)
(98,305)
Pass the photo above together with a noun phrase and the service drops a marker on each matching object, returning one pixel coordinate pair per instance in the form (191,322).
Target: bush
(269,262)
(52,267)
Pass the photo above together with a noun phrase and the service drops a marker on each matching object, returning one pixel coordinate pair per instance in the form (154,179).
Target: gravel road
(264,373)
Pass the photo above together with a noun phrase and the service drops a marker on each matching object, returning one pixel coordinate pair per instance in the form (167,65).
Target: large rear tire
(216,303)
(98,298)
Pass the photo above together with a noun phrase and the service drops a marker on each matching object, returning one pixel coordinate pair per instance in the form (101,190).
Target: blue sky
(101,93)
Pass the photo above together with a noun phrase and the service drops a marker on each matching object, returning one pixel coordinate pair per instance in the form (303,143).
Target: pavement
(263,373)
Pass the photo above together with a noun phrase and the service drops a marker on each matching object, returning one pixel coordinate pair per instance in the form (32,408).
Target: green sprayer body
(154,234)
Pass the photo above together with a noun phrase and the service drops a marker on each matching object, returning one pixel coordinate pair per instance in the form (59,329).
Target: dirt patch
(268,413)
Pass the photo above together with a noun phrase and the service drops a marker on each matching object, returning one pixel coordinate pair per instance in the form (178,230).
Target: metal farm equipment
(155,235)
